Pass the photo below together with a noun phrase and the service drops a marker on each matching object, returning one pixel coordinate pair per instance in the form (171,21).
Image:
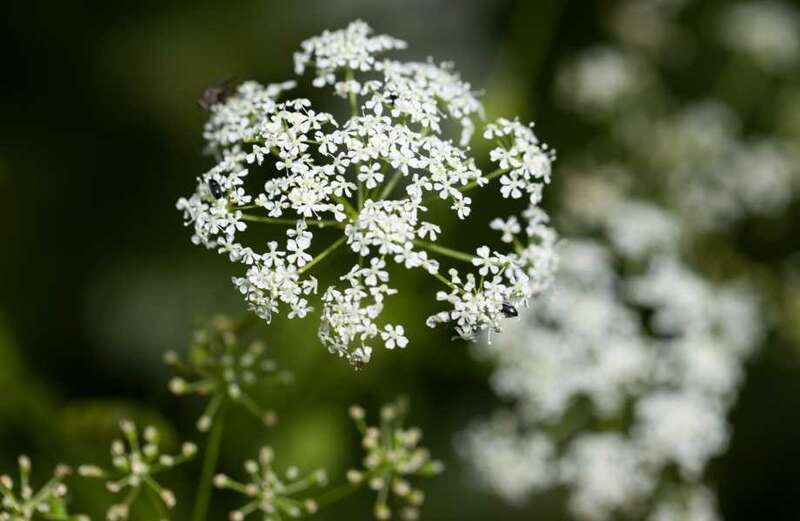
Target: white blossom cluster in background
(367,181)
(714,175)
(622,377)
(766,31)
(597,81)
(650,25)
(625,371)
(701,156)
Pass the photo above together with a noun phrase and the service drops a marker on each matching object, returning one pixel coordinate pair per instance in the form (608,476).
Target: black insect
(216,189)
(213,94)
(392,98)
(508,310)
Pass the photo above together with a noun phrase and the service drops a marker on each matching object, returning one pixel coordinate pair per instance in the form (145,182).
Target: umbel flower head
(367,182)
(393,458)
(271,493)
(220,367)
(133,467)
(623,407)
(26,504)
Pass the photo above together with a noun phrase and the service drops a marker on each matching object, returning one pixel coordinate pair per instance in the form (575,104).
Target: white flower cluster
(618,377)
(370,177)
(766,31)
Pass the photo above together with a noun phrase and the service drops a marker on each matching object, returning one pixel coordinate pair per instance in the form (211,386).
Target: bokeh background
(100,134)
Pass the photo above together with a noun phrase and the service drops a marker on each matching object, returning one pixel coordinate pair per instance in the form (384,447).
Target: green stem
(347,206)
(353,103)
(158,506)
(209,466)
(444,280)
(349,76)
(388,187)
(274,220)
(337,494)
(489,177)
(330,249)
(518,247)
(455,254)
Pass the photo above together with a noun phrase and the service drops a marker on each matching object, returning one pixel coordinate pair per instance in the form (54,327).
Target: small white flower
(509,228)
(394,336)
(484,261)
(370,175)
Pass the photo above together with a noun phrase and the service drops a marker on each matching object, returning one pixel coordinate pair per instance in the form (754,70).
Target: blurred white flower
(606,473)
(599,80)
(626,369)
(517,463)
(636,229)
(767,31)
(694,503)
(765,175)
(708,171)
(684,428)
(651,25)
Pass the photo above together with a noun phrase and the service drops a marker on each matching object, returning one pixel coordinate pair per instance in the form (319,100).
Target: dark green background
(99,135)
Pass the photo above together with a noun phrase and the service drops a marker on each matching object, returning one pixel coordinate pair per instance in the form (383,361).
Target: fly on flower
(213,94)
(371,172)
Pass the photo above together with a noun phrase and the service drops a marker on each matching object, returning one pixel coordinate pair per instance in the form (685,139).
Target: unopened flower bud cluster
(270,493)
(394,458)
(21,502)
(222,368)
(134,464)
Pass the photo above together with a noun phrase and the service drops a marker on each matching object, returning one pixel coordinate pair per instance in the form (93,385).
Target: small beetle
(508,310)
(216,189)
